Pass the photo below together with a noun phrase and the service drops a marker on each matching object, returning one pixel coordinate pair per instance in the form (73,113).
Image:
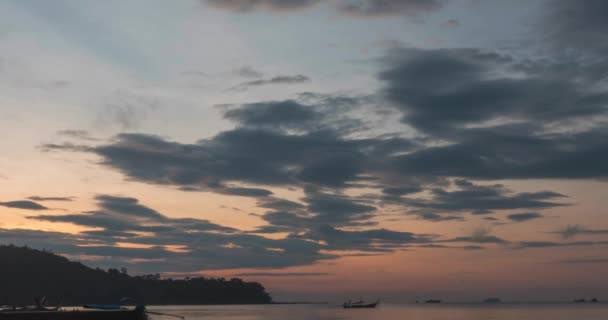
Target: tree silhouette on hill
(26,273)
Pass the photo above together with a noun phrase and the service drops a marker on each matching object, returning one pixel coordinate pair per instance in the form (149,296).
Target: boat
(432,301)
(360,305)
(579,301)
(138,313)
(492,300)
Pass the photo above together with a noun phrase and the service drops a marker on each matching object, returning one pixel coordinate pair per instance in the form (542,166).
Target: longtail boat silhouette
(360,304)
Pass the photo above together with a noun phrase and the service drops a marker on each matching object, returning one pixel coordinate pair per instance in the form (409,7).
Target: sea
(442,311)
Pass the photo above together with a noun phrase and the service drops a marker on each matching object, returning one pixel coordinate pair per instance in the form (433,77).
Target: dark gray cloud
(77,134)
(373,240)
(295,79)
(319,209)
(287,114)
(354,8)
(205,245)
(244,155)
(308,113)
(573,35)
(578,26)
(283,274)
(478,199)
(434,217)
(451,23)
(279,204)
(571,231)
(246,192)
(401,191)
(125,214)
(478,235)
(550,244)
(520,217)
(381,8)
(506,153)
(252,5)
(333,206)
(126,206)
(442,90)
(249,72)
(66,146)
(39,198)
(23,204)
(440,246)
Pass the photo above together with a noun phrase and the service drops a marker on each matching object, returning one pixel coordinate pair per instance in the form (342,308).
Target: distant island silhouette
(30,273)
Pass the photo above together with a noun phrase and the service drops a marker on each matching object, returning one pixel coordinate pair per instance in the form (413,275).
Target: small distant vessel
(360,305)
(579,300)
(432,301)
(594,300)
(492,300)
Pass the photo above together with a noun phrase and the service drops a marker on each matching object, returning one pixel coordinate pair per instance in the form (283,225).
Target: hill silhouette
(26,273)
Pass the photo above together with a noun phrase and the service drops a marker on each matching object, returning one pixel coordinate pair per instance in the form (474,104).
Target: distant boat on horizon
(492,300)
(432,301)
(360,305)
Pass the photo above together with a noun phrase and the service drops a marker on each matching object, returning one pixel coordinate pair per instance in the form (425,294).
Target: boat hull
(75,315)
(361,306)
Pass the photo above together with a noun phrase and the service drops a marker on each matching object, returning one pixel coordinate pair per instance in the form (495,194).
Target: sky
(402,149)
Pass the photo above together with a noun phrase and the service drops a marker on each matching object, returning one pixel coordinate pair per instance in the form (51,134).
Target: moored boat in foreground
(139,313)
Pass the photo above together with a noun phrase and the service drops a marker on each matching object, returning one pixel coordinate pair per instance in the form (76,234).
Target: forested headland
(28,273)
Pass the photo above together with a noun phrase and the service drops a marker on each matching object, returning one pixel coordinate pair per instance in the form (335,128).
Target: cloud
(512,152)
(247,192)
(442,90)
(451,23)
(550,244)
(400,191)
(520,217)
(373,240)
(571,231)
(249,72)
(320,209)
(126,206)
(23,204)
(77,134)
(381,8)
(244,155)
(356,8)
(252,5)
(126,214)
(478,235)
(286,114)
(352,8)
(295,79)
(205,245)
(478,199)
(282,274)
(575,25)
(429,216)
(39,198)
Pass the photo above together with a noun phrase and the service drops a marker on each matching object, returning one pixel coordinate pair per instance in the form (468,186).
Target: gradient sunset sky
(403,149)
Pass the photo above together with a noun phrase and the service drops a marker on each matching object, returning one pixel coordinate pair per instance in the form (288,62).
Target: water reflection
(503,311)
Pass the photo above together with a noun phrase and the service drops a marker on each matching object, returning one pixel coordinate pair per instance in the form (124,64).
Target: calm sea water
(444,311)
